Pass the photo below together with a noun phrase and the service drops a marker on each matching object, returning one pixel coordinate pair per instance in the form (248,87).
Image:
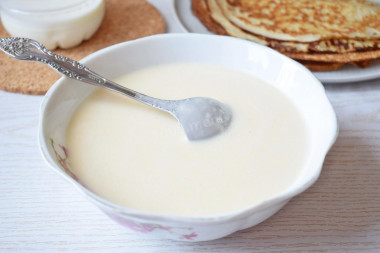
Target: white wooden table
(41,212)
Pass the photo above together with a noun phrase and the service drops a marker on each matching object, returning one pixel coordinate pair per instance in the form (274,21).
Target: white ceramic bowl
(293,79)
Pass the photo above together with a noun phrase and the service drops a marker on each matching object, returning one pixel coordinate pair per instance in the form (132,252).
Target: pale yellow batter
(139,157)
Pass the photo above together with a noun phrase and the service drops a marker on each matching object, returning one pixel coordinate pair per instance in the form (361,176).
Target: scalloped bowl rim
(144,215)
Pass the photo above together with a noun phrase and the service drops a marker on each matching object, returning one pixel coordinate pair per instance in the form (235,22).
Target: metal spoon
(200,117)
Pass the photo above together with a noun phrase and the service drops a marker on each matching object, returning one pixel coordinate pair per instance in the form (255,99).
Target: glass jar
(54,23)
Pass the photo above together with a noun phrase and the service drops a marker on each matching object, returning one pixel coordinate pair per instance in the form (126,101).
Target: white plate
(348,73)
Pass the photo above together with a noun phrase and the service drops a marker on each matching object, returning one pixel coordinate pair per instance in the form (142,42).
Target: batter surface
(139,157)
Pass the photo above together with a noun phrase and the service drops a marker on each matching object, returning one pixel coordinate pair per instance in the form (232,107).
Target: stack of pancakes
(321,34)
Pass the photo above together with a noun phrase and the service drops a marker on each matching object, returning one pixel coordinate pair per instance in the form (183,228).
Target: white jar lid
(30,6)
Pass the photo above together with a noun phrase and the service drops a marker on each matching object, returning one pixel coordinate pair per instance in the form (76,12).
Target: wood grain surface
(41,212)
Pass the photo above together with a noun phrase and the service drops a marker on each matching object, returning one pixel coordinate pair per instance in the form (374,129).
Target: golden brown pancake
(344,58)
(338,45)
(321,66)
(323,54)
(305,20)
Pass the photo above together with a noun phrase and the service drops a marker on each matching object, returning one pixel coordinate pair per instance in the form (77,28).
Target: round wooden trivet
(124,20)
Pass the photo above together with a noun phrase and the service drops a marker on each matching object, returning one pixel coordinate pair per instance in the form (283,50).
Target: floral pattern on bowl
(62,156)
(178,232)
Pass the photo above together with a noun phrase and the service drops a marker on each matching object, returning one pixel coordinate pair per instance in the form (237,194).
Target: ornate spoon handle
(31,50)
(200,117)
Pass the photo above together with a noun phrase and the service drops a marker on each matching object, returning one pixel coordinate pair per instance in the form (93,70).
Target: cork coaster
(124,20)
